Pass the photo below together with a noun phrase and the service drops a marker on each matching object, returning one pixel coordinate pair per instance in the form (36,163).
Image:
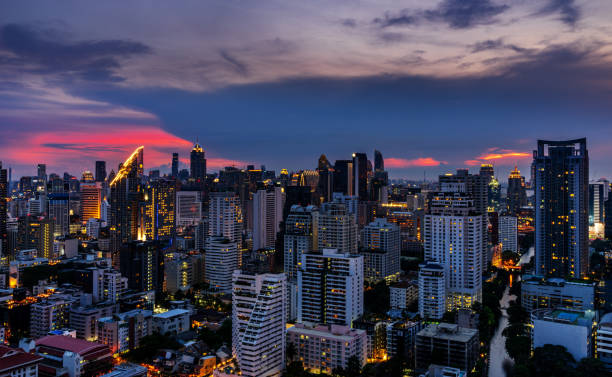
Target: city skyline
(298,80)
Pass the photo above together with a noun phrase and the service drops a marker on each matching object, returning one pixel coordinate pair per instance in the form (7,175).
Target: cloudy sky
(434,85)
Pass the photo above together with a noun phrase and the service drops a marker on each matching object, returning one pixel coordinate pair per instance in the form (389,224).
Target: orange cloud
(400,163)
(501,156)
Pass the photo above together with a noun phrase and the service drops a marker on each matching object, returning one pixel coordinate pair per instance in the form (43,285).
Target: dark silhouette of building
(198,163)
(100,171)
(379,162)
(561,208)
(3,201)
(343,177)
(175,164)
(326,180)
(360,176)
(516,196)
(142,262)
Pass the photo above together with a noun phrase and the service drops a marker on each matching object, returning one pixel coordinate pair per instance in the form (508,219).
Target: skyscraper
(91,201)
(175,164)
(157,210)
(3,202)
(381,250)
(598,194)
(142,263)
(42,172)
(432,290)
(337,228)
(125,196)
(301,236)
(59,212)
(267,216)
(225,216)
(343,177)
(360,176)
(259,315)
(330,287)
(454,239)
(379,162)
(188,208)
(198,163)
(516,195)
(100,171)
(221,259)
(561,208)
(508,233)
(326,180)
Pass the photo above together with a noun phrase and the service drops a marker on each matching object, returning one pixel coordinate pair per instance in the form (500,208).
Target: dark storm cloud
(33,50)
(458,14)
(494,44)
(82,148)
(236,65)
(569,12)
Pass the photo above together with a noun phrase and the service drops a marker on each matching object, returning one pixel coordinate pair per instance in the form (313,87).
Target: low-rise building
(15,362)
(127,370)
(452,346)
(570,328)
(83,319)
(604,341)
(174,321)
(401,338)
(72,357)
(540,293)
(403,294)
(325,348)
(123,331)
(49,314)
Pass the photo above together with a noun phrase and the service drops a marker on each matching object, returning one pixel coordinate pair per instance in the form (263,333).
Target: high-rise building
(49,314)
(379,162)
(604,341)
(225,216)
(326,179)
(300,237)
(508,233)
(183,271)
(143,264)
(125,196)
(42,172)
(100,171)
(175,164)
(432,291)
(36,233)
(516,196)
(59,212)
(91,201)
(259,315)
(330,287)
(3,214)
(380,241)
(561,208)
(598,194)
(157,210)
(453,238)
(123,331)
(267,216)
(198,163)
(360,176)
(337,228)
(188,208)
(221,259)
(343,177)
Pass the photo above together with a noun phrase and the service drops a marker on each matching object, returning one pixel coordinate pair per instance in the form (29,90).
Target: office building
(573,329)
(125,195)
(516,196)
(403,294)
(604,341)
(449,344)
(337,228)
(142,263)
(221,259)
(508,233)
(322,349)
(100,171)
(401,339)
(198,164)
(598,194)
(330,287)
(175,165)
(157,211)
(91,201)
(225,216)
(432,290)
(259,314)
(301,236)
(343,177)
(188,208)
(173,322)
(3,211)
(122,332)
(454,239)
(267,216)
(59,212)
(561,208)
(380,241)
(539,293)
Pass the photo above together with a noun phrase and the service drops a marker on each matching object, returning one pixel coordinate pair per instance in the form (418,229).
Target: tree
(518,347)
(510,256)
(551,360)
(376,298)
(291,352)
(450,317)
(591,367)
(516,313)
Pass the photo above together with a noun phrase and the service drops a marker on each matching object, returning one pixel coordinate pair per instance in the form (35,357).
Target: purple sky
(434,85)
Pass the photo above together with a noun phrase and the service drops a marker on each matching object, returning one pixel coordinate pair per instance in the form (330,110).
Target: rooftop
(336,331)
(569,316)
(448,331)
(171,313)
(11,358)
(68,343)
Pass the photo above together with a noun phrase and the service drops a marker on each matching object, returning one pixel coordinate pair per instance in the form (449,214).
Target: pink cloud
(400,163)
(499,156)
